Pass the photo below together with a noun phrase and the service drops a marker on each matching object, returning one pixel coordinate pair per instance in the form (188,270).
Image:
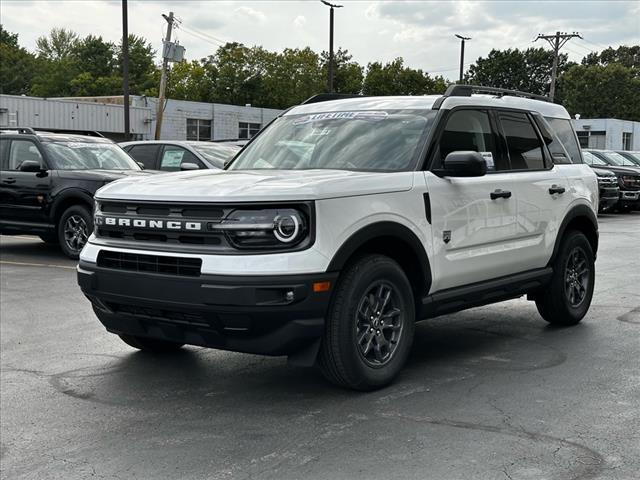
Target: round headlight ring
(286,228)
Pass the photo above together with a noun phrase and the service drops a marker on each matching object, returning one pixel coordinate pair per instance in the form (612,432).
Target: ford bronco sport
(343,222)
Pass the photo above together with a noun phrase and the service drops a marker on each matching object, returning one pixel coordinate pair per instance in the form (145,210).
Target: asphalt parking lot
(491,393)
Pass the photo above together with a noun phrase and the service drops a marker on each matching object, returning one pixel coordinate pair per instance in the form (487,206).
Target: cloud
(255,15)
(300,21)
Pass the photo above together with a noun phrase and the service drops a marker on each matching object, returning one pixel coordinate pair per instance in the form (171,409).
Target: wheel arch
(395,241)
(583,219)
(68,198)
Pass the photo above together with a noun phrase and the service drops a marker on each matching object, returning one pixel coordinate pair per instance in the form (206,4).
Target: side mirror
(189,166)
(141,165)
(464,164)
(30,166)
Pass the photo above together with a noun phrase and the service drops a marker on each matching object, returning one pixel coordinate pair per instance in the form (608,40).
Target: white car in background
(176,155)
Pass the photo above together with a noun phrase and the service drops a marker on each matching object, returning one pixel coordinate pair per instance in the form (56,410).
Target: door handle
(556,189)
(500,194)
(9,180)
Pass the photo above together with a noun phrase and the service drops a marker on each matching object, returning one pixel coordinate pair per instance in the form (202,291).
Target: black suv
(47,182)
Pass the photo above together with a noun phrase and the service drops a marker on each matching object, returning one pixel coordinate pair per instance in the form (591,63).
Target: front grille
(135,262)
(607,181)
(189,318)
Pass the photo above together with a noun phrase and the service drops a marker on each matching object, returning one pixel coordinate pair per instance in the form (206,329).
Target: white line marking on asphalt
(25,264)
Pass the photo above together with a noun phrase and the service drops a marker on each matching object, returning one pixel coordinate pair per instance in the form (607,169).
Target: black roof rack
(325,97)
(468,90)
(22,130)
(88,133)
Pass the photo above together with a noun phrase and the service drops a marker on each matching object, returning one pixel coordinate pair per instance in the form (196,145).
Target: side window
(523,144)
(4,152)
(173,157)
(146,154)
(564,137)
(470,130)
(22,150)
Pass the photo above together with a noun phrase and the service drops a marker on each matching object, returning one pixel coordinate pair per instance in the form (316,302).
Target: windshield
(618,159)
(88,156)
(364,140)
(217,155)
(591,159)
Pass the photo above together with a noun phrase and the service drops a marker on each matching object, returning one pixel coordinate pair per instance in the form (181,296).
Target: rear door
(473,219)
(543,192)
(24,194)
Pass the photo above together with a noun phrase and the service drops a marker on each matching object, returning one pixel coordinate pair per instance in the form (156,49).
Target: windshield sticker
(488,157)
(369,116)
(172,158)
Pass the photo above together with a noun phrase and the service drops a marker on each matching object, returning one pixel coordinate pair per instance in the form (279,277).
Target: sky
(422,32)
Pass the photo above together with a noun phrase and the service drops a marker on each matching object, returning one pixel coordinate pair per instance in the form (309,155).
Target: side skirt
(483,293)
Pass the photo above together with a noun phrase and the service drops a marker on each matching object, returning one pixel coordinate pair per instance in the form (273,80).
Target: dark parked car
(48,181)
(176,155)
(633,157)
(609,189)
(628,178)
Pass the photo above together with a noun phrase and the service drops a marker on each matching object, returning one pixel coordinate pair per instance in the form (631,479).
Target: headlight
(264,228)
(630,181)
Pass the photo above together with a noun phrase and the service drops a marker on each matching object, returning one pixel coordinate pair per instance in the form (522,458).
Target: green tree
(394,78)
(97,57)
(60,44)
(348,75)
(191,81)
(17,65)
(143,73)
(526,70)
(624,55)
(602,91)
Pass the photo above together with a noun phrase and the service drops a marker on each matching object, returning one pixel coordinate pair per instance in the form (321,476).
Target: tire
(567,298)
(151,345)
(49,238)
(365,283)
(74,227)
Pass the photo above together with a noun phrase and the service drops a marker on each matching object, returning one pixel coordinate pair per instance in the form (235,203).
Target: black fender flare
(378,230)
(577,212)
(69,193)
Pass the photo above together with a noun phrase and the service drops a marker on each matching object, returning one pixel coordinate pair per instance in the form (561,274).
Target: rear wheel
(150,344)
(370,325)
(74,228)
(568,296)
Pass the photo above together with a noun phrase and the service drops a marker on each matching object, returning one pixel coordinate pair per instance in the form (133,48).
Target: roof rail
(468,90)
(325,97)
(22,130)
(88,133)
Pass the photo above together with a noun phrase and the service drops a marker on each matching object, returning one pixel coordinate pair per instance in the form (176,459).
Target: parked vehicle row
(625,166)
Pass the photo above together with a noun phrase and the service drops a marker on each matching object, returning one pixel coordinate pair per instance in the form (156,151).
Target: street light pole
(331,7)
(462,40)
(125,69)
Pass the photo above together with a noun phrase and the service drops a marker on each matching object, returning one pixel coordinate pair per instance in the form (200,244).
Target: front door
(473,219)
(24,194)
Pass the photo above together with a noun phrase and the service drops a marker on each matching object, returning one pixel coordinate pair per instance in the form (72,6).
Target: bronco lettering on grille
(144,223)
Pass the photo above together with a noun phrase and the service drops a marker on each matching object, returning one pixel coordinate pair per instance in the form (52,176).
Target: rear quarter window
(564,136)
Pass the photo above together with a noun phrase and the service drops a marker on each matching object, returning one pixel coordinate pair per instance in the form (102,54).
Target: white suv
(345,221)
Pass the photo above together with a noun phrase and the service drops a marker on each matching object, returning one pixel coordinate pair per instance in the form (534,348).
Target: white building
(608,133)
(182,120)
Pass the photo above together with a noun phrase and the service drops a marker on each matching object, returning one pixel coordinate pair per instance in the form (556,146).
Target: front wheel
(150,344)
(568,296)
(74,228)
(370,325)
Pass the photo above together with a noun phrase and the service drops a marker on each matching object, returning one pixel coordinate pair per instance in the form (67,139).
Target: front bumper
(609,196)
(629,198)
(277,315)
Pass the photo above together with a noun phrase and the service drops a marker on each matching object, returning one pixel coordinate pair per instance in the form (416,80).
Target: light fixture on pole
(462,40)
(331,7)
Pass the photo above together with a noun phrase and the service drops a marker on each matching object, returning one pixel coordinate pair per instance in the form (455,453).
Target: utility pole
(556,41)
(462,40)
(331,7)
(125,69)
(163,77)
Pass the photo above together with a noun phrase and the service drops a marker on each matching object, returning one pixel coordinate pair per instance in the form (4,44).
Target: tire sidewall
(367,273)
(574,240)
(86,216)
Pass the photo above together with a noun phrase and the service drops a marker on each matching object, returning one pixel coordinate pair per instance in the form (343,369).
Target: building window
(627,140)
(583,138)
(198,129)
(248,130)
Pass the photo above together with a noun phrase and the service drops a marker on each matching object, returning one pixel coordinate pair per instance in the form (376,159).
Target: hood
(602,173)
(256,185)
(620,170)
(102,175)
